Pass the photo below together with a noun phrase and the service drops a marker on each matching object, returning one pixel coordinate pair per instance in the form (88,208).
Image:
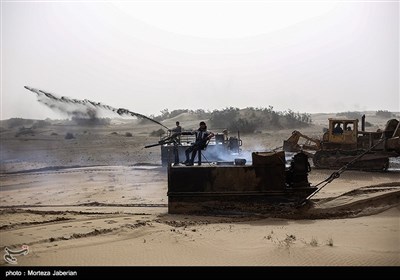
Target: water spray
(90,106)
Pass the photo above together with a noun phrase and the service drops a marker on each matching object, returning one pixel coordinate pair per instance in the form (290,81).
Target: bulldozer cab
(342,131)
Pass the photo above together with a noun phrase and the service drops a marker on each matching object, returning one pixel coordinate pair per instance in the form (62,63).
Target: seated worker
(337,129)
(202,136)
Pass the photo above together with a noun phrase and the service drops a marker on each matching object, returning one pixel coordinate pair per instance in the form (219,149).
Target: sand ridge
(57,229)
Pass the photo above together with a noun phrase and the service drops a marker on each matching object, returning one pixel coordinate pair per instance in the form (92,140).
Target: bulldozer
(344,142)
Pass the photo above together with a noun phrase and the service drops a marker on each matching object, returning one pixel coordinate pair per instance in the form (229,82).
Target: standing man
(177,130)
(176,140)
(202,136)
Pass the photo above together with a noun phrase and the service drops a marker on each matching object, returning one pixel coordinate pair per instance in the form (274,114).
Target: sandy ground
(101,199)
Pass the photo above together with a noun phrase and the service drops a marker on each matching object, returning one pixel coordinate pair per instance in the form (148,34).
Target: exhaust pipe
(363,123)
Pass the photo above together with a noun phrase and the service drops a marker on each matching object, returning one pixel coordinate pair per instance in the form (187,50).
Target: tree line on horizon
(247,120)
(357,114)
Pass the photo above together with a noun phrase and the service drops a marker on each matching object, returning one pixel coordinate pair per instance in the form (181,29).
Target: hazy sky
(149,55)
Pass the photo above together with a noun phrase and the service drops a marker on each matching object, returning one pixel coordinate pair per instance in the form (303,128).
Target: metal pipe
(363,123)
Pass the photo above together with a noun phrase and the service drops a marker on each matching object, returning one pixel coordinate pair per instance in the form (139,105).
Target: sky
(145,56)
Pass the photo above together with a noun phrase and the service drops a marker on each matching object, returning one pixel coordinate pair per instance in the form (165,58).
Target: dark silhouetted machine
(221,147)
(239,188)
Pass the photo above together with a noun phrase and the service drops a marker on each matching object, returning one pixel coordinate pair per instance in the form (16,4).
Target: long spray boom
(88,104)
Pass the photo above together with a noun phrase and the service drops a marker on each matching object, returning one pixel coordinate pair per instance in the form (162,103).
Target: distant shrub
(251,119)
(91,121)
(69,135)
(314,242)
(160,132)
(350,115)
(41,124)
(384,114)
(175,113)
(54,134)
(166,114)
(224,118)
(128,134)
(243,125)
(201,114)
(114,133)
(368,124)
(292,119)
(288,241)
(25,131)
(15,122)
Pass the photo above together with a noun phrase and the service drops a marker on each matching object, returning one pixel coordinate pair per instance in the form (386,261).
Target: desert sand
(100,199)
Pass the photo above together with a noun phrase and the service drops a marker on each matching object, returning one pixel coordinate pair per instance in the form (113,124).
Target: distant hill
(247,120)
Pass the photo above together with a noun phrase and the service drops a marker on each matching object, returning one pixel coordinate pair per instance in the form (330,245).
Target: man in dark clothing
(337,129)
(202,136)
